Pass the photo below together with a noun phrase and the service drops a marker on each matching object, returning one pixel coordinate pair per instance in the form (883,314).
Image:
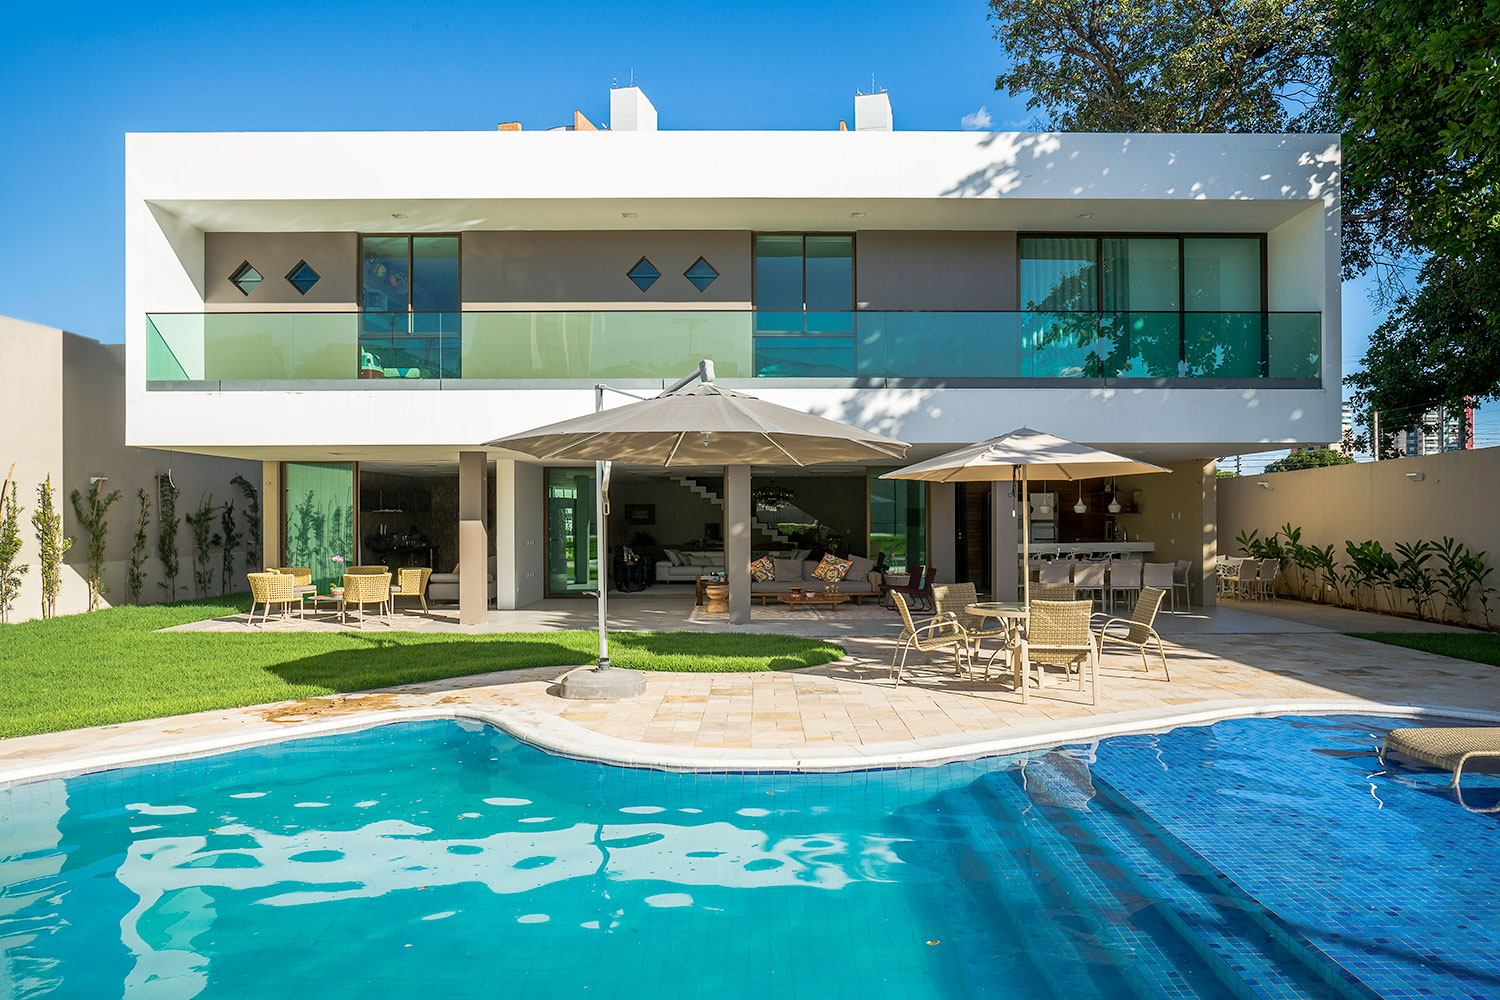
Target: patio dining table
(1013,613)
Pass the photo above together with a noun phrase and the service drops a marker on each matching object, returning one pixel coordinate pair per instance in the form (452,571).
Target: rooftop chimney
(630,110)
(872,113)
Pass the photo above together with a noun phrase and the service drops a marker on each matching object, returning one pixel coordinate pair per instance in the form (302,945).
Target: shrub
(94,521)
(51,543)
(201,522)
(10,546)
(167,524)
(135,573)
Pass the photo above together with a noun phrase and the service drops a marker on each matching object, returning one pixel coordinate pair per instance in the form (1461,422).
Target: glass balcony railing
(628,344)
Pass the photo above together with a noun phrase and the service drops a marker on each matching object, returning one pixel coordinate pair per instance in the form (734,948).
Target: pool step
(1229,922)
(1120,854)
(1153,960)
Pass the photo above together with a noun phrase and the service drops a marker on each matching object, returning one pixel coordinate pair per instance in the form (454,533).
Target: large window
(319,524)
(898,521)
(572,542)
(804,305)
(1143,306)
(409,291)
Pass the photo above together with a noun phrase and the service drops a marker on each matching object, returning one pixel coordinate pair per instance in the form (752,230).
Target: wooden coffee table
(811,599)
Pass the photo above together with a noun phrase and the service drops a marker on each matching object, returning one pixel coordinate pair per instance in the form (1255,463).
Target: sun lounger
(1449,749)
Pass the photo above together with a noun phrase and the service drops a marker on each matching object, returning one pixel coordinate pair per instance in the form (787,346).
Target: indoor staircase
(761,532)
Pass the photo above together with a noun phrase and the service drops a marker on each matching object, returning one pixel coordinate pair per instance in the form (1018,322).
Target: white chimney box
(872,113)
(630,110)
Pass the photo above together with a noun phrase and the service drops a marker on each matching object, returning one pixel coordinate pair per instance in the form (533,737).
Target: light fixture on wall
(1080,507)
(1416,477)
(1264,485)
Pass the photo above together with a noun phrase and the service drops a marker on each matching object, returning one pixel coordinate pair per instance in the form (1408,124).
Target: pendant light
(1080,507)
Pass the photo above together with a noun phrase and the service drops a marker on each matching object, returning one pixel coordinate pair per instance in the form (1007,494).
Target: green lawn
(112,666)
(1481,647)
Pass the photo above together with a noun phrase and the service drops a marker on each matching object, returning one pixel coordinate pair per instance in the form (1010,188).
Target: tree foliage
(51,544)
(201,522)
(167,523)
(135,572)
(11,571)
(1417,92)
(93,516)
(1309,458)
(252,520)
(1151,66)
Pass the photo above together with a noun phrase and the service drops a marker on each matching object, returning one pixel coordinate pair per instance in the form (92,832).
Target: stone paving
(1232,655)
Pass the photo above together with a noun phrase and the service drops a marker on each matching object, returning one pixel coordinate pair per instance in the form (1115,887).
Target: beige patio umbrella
(688,424)
(1027,454)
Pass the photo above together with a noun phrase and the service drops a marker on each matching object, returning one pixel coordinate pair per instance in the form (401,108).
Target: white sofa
(670,570)
(442,588)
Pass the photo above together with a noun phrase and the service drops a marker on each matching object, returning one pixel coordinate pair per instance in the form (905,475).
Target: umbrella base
(603,684)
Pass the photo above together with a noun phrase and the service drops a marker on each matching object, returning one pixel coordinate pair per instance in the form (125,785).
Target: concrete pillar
(270,516)
(1204,574)
(473,539)
(942,525)
(737,540)
(507,586)
(1005,536)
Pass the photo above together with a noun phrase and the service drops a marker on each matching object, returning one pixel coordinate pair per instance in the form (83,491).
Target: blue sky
(77,76)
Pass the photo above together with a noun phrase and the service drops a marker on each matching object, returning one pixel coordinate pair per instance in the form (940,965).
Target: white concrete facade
(939,213)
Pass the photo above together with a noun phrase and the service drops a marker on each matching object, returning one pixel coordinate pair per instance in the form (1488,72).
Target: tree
(93,519)
(51,544)
(229,541)
(167,524)
(202,523)
(135,573)
(10,546)
(1174,66)
(1309,458)
(1414,87)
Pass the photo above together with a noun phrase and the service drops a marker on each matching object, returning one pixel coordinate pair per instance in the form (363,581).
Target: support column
(1204,574)
(507,584)
(737,540)
(1005,536)
(270,516)
(473,539)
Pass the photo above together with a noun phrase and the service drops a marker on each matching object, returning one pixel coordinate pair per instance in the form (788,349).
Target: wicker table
(325,602)
(812,600)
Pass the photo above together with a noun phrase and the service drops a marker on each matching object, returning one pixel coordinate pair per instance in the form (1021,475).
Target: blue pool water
(1256,858)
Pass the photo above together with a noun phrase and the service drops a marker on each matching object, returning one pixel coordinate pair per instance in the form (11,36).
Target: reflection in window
(898,521)
(572,543)
(804,302)
(409,291)
(1058,273)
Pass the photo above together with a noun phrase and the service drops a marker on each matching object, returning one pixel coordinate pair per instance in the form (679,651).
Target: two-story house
(360,311)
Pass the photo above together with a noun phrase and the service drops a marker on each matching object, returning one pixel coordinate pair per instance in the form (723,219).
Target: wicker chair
(1053,592)
(301,575)
(366,570)
(1060,571)
(1058,632)
(267,589)
(366,588)
(412,582)
(1088,580)
(940,633)
(951,601)
(1138,628)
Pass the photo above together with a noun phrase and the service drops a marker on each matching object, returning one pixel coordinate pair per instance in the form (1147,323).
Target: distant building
(1442,429)
(1345,443)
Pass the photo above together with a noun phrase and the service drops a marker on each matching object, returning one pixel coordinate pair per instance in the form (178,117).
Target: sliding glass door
(898,521)
(572,542)
(319,519)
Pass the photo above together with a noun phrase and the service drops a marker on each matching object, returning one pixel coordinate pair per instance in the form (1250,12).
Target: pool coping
(563,738)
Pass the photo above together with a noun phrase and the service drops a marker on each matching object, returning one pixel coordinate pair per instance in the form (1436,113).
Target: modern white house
(360,311)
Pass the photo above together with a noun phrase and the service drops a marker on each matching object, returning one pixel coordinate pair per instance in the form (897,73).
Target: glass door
(320,519)
(572,542)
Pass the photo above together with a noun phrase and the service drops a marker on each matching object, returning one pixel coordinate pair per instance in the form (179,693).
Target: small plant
(252,517)
(202,524)
(135,572)
(1294,553)
(167,524)
(230,540)
(1249,544)
(51,543)
(1412,576)
(93,517)
(1370,565)
(1327,569)
(10,547)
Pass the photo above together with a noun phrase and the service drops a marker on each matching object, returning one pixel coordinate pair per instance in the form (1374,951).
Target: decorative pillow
(831,569)
(860,568)
(787,570)
(702,559)
(761,570)
(802,554)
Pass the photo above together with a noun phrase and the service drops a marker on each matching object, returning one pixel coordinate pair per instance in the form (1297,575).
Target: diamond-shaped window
(245,278)
(701,274)
(644,274)
(302,277)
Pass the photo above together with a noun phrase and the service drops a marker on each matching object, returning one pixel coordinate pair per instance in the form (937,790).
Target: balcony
(249,350)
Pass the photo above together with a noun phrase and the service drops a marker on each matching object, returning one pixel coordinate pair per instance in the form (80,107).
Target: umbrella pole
(1025,543)
(603,682)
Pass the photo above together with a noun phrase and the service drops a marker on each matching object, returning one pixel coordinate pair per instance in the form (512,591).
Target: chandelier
(771,497)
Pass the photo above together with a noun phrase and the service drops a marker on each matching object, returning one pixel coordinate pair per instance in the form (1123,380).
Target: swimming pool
(1252,858)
